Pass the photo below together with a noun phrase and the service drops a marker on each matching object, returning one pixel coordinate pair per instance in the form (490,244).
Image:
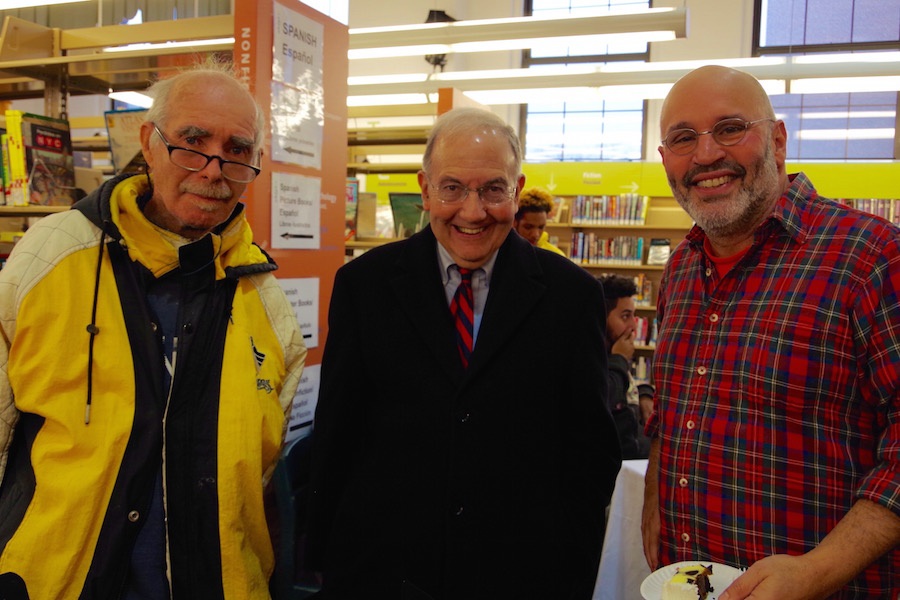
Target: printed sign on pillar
(298,98)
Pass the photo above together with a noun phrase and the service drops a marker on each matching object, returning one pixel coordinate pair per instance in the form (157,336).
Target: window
(583,131)
(843,126)
(785,26)
(848,126)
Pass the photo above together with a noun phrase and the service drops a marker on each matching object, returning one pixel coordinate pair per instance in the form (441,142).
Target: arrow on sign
(551,186)
(300,236)
(633,187)
(291,150)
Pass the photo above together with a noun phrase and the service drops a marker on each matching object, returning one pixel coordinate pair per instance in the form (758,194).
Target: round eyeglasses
(726,132)
(193,160)
(492,194)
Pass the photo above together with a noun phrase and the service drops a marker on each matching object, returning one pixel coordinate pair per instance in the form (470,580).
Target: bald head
(727,167)
(737,92)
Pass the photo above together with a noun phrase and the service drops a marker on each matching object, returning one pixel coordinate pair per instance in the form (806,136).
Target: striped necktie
(462,307)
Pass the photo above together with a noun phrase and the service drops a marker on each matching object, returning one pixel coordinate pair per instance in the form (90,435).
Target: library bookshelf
(597,233)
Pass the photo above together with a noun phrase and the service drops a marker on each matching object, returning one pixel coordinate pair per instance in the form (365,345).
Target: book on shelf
(4,165)
(352,202)
(124,130)
(640,369)
(560,211)
(41,162)
(658,253)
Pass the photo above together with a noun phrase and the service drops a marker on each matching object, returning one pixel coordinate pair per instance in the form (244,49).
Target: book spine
(4,147)
(18,177)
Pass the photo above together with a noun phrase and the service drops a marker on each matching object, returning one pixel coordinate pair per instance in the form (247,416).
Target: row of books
(38,164)
(888,209)
(640,369)
(624,209)
(645,331)
(589,248)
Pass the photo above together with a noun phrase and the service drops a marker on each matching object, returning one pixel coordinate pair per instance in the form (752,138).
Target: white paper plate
(723,575)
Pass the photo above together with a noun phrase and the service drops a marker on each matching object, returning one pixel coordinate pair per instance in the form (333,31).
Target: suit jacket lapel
(417,285)
(516,286)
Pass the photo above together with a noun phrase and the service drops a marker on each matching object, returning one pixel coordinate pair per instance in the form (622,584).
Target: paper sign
(296,205)
(303,294)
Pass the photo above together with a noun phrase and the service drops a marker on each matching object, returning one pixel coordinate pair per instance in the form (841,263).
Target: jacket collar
(517,284)
(114,207)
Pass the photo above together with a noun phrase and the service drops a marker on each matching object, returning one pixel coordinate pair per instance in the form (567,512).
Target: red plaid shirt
(778,388)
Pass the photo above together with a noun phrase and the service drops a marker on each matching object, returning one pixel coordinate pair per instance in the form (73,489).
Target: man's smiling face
(471,230)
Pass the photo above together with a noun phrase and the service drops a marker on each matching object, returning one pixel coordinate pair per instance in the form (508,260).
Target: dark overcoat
(488,482)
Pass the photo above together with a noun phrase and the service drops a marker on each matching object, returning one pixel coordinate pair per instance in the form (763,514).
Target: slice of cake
(690,582)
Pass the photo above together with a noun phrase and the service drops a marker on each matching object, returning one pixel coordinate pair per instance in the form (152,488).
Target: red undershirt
(723,263)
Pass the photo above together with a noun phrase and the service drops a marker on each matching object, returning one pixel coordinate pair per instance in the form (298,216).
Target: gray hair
(162,92)
(467,119)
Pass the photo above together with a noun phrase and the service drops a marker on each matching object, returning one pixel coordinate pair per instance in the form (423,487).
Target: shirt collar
(445,261)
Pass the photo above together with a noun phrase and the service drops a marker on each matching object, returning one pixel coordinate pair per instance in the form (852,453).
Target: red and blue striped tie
(462,307)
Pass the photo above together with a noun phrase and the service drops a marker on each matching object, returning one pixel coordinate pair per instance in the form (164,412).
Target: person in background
(149,360)
(628,399)
(776,435)
(451,458)
(531,218)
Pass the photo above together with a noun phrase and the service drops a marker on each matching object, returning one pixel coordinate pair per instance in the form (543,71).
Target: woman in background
(531,218)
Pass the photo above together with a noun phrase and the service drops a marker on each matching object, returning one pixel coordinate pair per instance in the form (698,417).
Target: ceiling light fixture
(513,33)
(186,44)
(780,75)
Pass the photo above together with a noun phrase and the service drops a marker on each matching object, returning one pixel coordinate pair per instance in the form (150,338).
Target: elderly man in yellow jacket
(149,360)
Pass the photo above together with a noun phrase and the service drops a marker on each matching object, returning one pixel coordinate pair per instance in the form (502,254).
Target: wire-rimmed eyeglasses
(193,160)
(726,132)
(492,194)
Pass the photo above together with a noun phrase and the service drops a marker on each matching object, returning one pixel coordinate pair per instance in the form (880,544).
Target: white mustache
(219,192)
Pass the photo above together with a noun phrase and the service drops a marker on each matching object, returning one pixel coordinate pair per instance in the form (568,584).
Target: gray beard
(750,205)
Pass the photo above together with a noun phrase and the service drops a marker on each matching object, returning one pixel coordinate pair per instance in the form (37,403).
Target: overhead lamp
(438,60)
(512,33)
(10,4)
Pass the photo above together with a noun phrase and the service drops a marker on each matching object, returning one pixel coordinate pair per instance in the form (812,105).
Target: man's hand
(779,577)
(650,521)
(624,344)
(869,529)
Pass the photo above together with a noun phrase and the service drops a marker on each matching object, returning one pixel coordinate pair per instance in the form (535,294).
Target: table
(622,563)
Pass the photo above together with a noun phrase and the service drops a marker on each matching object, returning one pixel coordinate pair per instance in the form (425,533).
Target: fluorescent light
(391,99)
(845,134)
(830,85)
(690,65)
(846,57)
(134,98)
(654,24)
(535,44)
(9,4)
(187,44)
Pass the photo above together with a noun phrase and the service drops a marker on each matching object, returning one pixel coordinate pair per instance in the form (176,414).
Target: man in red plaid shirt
(776,434)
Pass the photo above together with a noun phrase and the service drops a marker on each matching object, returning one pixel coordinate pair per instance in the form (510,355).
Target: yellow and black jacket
(85,422)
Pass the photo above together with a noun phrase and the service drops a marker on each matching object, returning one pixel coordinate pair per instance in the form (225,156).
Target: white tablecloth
(622,564)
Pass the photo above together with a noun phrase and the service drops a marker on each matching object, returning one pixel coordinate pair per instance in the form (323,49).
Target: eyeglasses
(192,160)
(726,132)
(492,194)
